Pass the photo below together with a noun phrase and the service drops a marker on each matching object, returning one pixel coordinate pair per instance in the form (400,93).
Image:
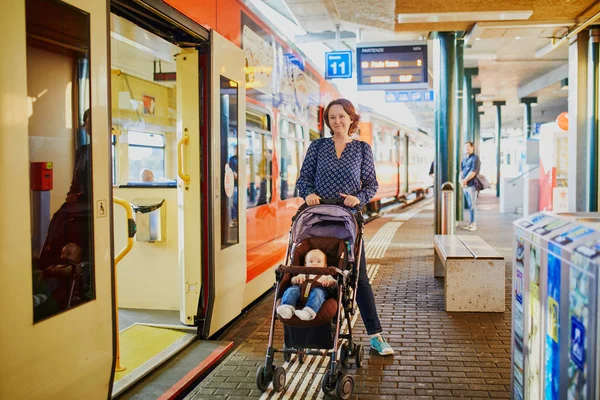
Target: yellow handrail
(184,177)
(119,257)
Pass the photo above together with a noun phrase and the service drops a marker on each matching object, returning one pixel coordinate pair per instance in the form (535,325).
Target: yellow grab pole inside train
(130,234)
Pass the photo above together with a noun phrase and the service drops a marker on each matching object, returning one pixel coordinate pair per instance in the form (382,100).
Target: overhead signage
(413,96)
(392,66)
(338,65)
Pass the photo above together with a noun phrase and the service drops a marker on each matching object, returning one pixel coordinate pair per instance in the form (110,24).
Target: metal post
(444,88)
(337,37)
(447,211)
(467,93)
(459,133)
(476,127)
(592,116)
(578,87)
(498,104)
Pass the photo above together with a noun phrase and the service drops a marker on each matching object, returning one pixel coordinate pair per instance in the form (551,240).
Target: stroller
(335,230)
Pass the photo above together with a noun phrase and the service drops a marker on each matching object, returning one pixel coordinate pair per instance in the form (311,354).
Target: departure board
(392,66)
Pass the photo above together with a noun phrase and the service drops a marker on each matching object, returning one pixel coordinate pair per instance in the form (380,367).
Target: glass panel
(60,154)
(259,150)
(229,163)
(146,164)
(291,161)
(145,139)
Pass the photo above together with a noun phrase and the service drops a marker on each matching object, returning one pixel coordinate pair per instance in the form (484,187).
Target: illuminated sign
(392,66)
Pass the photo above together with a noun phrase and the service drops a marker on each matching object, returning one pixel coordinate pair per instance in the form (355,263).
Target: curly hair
(349,109)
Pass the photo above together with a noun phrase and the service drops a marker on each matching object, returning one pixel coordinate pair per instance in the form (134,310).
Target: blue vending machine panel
(582,321)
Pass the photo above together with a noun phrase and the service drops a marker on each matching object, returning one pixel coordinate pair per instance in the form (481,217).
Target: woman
(342,167)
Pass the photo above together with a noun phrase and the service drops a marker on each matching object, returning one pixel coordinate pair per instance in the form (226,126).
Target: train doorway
(177,107)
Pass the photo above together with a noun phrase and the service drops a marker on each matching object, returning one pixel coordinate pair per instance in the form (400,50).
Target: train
(161,141)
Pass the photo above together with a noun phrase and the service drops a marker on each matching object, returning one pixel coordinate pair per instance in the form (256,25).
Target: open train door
(225,186)
(56,291)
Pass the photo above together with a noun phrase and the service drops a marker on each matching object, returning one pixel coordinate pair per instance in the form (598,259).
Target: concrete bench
(473,271)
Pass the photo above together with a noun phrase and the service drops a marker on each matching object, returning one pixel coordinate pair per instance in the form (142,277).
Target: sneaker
(306,314)
(285,311)
(379,344)
(472,227)
(466,227)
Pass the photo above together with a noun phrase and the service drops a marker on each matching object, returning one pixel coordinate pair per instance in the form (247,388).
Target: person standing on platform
(341,167)
(469,168)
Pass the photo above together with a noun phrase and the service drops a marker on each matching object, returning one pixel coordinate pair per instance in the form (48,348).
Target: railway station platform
(439,354)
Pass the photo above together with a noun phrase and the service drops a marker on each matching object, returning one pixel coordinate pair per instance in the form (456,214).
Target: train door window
(60,155)
(259,155)
(146,153)
(291,141)
(230,233)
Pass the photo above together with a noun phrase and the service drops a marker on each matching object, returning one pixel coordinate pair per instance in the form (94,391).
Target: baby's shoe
(306,314)
(285,311)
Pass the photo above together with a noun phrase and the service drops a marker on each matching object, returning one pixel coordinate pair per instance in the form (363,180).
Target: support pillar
(458,127)
(528,102)
(498,104)
(592,125)
(468,110)
(476,125)
(444,89)
(578,87)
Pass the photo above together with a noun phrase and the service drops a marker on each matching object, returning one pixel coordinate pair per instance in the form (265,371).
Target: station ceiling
(510,41)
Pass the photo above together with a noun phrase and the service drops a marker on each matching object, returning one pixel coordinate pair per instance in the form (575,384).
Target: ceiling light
(518,37)
(469,16)
(478,39)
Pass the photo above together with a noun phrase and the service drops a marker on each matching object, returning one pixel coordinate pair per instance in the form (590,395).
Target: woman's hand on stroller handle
(312,199)
(349,200)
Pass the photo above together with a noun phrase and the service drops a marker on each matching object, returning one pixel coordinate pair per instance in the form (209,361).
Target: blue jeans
(471,200)
(366,300)
(316,297)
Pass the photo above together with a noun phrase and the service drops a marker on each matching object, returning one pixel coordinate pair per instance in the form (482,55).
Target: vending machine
(555,295)
(554,157)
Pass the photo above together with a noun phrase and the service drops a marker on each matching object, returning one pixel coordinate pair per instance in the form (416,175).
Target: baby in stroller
(312,289)
(326,238)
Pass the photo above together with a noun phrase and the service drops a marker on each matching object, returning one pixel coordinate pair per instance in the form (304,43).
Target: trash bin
(150,219)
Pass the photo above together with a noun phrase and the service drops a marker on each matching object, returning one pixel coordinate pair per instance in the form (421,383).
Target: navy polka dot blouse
(327,176)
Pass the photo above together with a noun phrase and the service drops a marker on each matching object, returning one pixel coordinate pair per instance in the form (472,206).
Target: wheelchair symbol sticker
(577,343)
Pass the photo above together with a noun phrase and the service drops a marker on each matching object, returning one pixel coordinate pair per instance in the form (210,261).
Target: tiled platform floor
(439,355)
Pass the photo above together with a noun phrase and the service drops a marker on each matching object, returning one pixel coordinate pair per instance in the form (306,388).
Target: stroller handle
(337,202)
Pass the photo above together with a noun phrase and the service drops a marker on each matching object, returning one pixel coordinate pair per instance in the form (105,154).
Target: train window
(60,154)
(230,232)
(291,144)
(146,153)
(259,155)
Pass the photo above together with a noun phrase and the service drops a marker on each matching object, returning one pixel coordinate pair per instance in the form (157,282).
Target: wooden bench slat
(452,247)
(479,248)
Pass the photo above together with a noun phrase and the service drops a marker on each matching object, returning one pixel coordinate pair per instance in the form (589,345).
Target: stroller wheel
(359,352)
(301,358)
(262,378)
(328,384)
(344,352)
(344,387)
(279,379)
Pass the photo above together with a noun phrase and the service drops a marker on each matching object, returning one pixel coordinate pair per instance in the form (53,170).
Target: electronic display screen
(392,66)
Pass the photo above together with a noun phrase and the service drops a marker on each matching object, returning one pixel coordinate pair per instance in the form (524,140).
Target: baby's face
(315,260)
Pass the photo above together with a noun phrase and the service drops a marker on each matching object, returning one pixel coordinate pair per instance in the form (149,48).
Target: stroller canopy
(325,220)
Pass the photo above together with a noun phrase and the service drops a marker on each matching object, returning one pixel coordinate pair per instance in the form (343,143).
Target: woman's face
(339,120)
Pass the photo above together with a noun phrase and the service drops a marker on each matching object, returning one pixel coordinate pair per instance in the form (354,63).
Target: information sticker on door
(228,180)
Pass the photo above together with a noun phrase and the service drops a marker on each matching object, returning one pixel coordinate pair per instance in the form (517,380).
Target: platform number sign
(577,342)
(338,64)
